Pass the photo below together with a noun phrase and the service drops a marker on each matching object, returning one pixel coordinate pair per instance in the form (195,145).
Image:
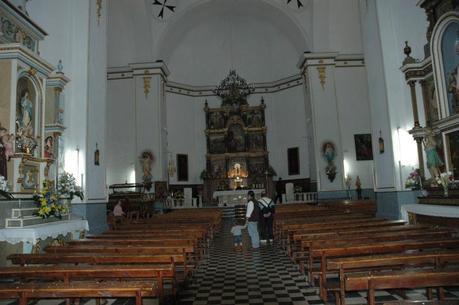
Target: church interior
(253,152)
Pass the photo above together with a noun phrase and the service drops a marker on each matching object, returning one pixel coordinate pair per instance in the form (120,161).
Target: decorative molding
(99,10)
(322,70)
(146,83)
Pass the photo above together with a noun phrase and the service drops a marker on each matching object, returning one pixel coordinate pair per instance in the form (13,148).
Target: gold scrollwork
(322,75)
(146,83)
(99,10)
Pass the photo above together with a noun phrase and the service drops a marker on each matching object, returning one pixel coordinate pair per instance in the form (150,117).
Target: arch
(200,9)
(437,61)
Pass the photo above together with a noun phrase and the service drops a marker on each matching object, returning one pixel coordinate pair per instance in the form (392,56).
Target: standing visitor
(253,215)
(236,230)
(279,191)
(266,219)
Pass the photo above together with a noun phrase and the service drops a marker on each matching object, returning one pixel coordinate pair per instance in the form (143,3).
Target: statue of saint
(433,158)
(26,109)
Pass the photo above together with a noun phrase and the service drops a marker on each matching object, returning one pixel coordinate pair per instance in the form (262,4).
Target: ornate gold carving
(146,83)
(99,10)
(411,218)
(322,75)
(82,234)
(59,241)
(32,71)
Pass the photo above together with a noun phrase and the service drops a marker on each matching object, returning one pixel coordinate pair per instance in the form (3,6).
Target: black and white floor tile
(265,276)
(252,277)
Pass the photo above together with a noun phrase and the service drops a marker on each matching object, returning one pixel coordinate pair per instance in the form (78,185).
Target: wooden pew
(352,249)
(405,279)
(155,273)
(378,262)
(79,289)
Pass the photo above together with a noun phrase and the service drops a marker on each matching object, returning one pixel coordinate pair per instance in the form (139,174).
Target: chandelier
(234,89)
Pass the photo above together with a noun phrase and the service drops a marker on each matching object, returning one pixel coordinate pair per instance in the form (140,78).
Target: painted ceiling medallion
(163,8)
(299,4)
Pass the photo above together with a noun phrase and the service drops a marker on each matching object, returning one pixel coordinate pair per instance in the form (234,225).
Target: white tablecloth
(430,210)
(31,234)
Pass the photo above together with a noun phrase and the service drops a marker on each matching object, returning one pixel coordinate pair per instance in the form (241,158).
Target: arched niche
(445,57)
(28,114)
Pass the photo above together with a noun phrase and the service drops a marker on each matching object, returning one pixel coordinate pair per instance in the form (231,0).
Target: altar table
(235,197)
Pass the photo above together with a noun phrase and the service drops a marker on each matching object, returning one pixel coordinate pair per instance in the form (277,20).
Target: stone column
(150,111)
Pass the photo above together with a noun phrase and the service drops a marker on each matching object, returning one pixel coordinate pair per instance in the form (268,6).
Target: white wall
(354,118)
(387,25)
(67,25)
(121,156)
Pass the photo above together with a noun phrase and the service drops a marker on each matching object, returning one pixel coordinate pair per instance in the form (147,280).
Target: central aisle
(265,276)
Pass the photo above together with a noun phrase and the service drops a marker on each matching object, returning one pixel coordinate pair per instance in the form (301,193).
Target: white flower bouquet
(67,187)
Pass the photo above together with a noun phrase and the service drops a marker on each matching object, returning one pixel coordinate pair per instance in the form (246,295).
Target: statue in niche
(434,161)
(25,140)
(26,109)
(146,160)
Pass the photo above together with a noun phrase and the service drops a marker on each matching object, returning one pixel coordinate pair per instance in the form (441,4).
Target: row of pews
(137,260)
(343,247)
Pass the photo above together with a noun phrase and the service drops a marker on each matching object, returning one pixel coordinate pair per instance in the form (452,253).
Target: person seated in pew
(236,230)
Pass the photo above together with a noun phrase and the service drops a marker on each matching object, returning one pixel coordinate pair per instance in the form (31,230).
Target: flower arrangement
(414,180)
(67,186)
(49,205)
(3,184)
(444,180)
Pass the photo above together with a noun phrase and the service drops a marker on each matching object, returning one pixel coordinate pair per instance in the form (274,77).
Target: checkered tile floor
(265,276)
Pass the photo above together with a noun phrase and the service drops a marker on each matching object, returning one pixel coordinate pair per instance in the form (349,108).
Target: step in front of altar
(31,221)
(22,213)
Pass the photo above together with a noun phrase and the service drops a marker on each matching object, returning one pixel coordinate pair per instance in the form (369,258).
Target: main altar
(237,156)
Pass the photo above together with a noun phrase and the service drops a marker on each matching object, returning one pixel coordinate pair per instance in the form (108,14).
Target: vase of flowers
(68,189)
(4,188)
(444,180)
(49,204)
(414,180)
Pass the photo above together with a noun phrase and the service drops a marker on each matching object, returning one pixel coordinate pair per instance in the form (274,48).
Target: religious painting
(146,161)
(235,138)
(450,54)
(216,120)
(25,114)
(363,147)
(29,179)
(432,104)
(257,167)
(49,147)
(254,119)
(256,142)
(217,144)
(218,168)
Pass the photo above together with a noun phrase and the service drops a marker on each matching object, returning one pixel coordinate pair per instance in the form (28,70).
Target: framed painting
(363,147)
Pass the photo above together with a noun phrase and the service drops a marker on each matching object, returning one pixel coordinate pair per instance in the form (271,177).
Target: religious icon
(363,147)
(97,156)
(381,143)
(49,147)
(329,154)
(146,160)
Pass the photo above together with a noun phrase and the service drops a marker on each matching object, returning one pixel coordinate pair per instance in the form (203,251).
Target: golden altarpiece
(31,106)
(237,156)
(437,132)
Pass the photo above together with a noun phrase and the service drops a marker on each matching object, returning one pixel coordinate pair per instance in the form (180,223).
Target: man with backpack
(266,219)
(253,215)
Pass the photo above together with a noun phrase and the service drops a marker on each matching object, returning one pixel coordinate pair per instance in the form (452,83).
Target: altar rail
(310,197)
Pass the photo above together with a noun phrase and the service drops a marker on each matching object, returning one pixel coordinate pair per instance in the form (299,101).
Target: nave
(267,276)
